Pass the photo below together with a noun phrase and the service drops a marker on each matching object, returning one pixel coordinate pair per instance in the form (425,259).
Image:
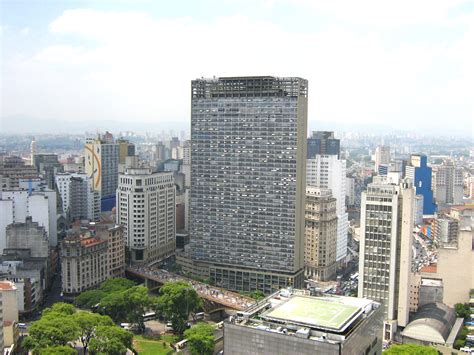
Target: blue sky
(403,64)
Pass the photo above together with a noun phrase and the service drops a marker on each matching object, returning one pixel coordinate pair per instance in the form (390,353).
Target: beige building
(113,234)
(84,263)
(320,234)
(455,268)
(9,314)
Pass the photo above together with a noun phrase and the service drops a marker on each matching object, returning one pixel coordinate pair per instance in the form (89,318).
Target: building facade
(146,210)
(84,263)
(420,174)
(382,157)
(386,248)
(28,235)
(448,183)
(102,166)
(248,150)
(329,172)
(320,234)
(79,200)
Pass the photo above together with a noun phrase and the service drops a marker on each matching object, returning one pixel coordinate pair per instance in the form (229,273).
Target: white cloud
(25,31)
(130,65)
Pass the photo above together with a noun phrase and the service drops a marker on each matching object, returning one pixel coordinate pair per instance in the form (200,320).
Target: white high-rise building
(146,210)
(329,172)
(79,200)
(382,156)
(386,248)
(38,202)
(350,191)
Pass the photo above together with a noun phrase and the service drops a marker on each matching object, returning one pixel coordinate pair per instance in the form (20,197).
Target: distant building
(386,249)
(292,322)
(12,169)
(79,200)
(323,143)
(419,173)
(382,156)
(47,165)
(448,183)
(102,166)
(320,234)
(146,210)
(446,230)
(350,191)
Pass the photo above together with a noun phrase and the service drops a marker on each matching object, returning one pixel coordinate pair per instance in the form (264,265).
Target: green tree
(58,350)
(87,323)
(116,284)
(462,310)
(176,301)
(52,329)
(411,349)
(137,302)
(60,308)
(89,299)
(200,339)
(110,340)
(114,306)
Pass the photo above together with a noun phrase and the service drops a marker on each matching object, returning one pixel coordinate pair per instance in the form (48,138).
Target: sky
(403,64)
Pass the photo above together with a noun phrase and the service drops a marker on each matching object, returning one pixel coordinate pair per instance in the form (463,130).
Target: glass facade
(248,140)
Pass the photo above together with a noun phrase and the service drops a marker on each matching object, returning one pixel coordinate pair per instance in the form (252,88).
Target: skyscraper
(248,139)
(447,183)
(102,165)
(320,234)
(146,210)
(419,173)
(382,156)
(328,171)
(386,247)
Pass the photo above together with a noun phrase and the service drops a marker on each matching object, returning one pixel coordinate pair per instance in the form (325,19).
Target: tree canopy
(176,302)
(88,299)
(411,349)
(200,339)
(462,310)
(61,325)
(110,340)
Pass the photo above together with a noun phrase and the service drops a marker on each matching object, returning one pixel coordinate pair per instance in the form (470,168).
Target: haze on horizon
(405,65)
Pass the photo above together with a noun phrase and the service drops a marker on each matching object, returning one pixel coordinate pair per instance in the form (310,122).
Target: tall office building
(386,248)
(47,166)
(323,143)
(146,211)
(79,200)
(102,165)
(328,171)
(12,170)
(320,234)
(248,140)
(419,173)
(382,156)
(448,183)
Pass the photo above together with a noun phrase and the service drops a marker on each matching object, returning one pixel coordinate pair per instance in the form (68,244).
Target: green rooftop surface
(313,311)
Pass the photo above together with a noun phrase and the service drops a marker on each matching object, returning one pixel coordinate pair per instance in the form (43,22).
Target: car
(22,325)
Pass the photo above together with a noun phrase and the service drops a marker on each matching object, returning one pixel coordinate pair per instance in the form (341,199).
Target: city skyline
(357,59)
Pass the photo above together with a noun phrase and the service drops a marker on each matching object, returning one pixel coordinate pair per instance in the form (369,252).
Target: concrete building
(47,166)
(420,174)
(329,172)
(9,323)
(37,202)
(350,191)
(292,322)
(102,166)
(445,231)
(448,183)
(248,140)
(79,200)
(28,235)
(386,249)
(84,263)
(146,210)
(382,156)
(13,168)
(323,143)
(186,167)
(320,234)
(453,268)
(1,322)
